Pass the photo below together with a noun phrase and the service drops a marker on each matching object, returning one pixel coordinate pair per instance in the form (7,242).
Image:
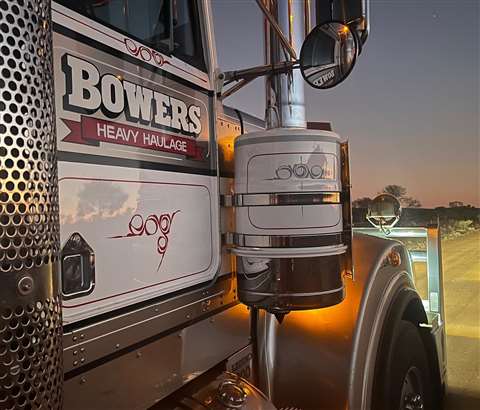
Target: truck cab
(129,282)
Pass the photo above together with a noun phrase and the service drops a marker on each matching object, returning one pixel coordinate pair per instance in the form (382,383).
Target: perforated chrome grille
(31,371)
(30,360)
(28,189)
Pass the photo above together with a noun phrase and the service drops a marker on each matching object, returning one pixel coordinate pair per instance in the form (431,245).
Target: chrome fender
(325,359)
(381,288)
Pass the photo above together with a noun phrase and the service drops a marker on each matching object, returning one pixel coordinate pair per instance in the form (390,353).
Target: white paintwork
(99,202)
(289,220)
(262,167)
(266,162)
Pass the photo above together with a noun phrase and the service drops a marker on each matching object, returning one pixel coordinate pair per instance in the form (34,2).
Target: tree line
(397,191)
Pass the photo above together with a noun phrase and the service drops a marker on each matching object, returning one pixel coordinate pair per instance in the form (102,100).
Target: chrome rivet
(25,285)
(82,360)
(83,380)
(206,305)
(117,346)
(82,350)
(75,352)
(75,363)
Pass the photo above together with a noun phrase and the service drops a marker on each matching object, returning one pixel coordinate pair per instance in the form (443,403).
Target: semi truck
(160,249)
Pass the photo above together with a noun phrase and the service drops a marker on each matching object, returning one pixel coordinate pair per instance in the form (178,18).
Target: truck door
(137,183)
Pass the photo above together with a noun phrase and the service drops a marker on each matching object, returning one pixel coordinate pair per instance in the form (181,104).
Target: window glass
(183,29)
(149,22)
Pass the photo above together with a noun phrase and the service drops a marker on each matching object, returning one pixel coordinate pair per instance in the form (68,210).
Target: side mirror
(328,55)
(384,212)
(355,13)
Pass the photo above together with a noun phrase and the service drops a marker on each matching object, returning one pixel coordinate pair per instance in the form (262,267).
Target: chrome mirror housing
(328,55)
(384,212)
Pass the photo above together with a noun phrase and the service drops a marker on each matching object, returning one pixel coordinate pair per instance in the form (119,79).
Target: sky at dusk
(410,108)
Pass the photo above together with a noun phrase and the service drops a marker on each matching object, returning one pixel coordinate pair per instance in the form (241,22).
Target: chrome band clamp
(280,241)
(287,198)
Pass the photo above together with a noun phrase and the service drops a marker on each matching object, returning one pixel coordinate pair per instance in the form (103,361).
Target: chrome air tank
(293,225)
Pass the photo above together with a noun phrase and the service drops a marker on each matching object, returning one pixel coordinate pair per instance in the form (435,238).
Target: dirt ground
(461,269)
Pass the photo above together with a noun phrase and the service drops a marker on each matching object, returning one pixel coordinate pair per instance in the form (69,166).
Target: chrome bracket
(226,200)
(278,31)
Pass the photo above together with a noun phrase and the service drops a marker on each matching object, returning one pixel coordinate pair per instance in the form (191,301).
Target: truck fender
(389,297)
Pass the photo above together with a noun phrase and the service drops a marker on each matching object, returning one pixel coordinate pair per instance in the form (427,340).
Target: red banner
(92,131)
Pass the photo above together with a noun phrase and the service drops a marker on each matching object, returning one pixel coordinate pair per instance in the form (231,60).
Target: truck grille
(31,371)
(28,188)
(30,360)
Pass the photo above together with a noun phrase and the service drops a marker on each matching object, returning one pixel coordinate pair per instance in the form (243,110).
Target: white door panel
(152,232)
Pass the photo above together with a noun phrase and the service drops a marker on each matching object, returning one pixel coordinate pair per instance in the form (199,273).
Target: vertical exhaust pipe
(31,371)
(285,100)
(285,108)
(292,224)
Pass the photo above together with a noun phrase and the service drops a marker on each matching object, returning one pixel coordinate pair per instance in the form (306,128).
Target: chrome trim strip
(281,241)
(92,342)
(287,198)
(306,294)
(310,252)
(155,368)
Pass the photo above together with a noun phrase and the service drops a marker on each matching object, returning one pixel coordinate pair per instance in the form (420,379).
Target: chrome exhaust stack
(293,225)
(292,190)
(285,93)
(31,371)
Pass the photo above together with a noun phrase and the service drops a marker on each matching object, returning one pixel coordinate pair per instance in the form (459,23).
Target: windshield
(169,26)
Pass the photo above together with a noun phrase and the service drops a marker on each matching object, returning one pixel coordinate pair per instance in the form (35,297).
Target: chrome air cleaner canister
(293,225)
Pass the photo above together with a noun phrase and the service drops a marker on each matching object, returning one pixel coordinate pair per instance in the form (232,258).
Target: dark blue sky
(410,108)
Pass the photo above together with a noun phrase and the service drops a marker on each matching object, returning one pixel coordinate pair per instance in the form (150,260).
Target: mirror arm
(258,71)
(247,75)
(271,19)
(235,88)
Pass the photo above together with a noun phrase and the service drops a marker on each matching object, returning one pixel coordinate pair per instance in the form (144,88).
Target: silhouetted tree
(400,193)
(397,191)
(410,202)
(362,202)
(455,204)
